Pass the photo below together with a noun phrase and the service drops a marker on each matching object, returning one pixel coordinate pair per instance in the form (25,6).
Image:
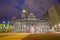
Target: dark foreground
(28,36)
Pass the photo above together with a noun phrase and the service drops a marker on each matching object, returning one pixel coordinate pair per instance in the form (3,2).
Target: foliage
(6,28)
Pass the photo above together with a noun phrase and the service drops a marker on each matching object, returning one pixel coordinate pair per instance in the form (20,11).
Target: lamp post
(3,26)
(4,23)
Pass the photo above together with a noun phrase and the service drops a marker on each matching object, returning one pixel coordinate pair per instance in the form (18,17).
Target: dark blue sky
(11,8)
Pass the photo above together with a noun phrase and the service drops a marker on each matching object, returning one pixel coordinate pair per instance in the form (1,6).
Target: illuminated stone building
(24,25)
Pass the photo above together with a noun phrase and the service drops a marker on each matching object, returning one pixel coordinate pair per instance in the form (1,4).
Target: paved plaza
(29,36)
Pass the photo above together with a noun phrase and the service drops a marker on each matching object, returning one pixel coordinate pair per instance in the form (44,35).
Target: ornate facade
(30,24)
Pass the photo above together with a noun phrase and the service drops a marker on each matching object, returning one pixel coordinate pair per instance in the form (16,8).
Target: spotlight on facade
(24,11)
(55,26)
(58,24)
(24,26)
(4,23)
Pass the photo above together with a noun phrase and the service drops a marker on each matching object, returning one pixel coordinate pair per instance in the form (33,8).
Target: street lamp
(3,22)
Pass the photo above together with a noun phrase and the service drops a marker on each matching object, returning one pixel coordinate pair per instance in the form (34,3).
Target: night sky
(11,8)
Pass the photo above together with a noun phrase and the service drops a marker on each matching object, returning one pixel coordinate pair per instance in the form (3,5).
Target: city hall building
(30,25)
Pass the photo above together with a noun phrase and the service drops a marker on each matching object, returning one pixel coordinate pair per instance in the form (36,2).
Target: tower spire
(23,13)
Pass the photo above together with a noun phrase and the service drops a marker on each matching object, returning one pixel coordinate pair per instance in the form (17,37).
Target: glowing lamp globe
(24,11)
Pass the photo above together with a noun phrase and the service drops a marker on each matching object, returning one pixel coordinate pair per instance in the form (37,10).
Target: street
(12,36)
(29,36)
